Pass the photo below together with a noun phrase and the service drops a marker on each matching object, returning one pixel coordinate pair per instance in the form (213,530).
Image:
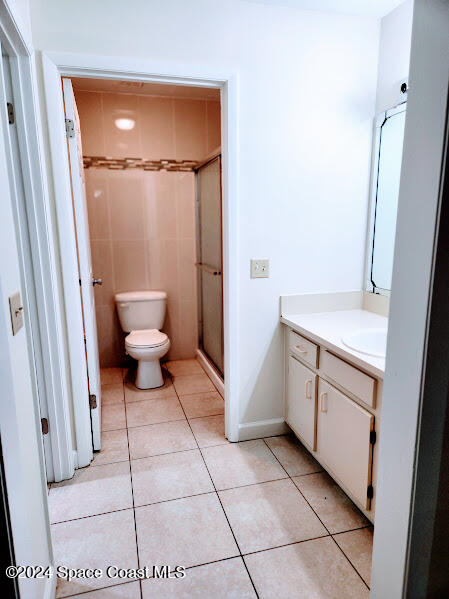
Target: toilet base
(149,375)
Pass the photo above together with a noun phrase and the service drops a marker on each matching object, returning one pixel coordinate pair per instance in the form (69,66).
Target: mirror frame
(379,121)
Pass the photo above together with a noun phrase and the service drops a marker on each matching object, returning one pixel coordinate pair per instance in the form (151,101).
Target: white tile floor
(254,519)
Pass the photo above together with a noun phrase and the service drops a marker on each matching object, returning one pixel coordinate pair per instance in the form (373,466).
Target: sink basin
(372,342)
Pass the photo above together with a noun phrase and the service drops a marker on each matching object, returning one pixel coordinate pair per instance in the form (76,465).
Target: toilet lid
(146,338)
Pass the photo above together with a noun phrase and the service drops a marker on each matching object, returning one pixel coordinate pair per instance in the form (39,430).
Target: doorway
(55,67)
(145,161)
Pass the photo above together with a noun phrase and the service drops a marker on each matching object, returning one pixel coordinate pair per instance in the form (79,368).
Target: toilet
(142,314)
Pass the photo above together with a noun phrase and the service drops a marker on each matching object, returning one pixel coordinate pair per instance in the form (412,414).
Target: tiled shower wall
(142,223)
(180,128)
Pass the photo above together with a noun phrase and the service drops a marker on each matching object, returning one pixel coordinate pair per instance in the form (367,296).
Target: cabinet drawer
(352,379)
(303,348)
(301,401)
(343,441)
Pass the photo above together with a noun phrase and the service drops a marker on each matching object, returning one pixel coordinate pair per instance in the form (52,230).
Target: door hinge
(44,426)
(372,437)
(370,492)
(11,116)
(70,128)
(92,401)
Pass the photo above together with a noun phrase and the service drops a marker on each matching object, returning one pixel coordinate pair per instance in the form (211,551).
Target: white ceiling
(145,89)
(368,8)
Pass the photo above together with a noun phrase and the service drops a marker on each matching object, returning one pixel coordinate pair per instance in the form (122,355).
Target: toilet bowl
(142,314)
(147,347)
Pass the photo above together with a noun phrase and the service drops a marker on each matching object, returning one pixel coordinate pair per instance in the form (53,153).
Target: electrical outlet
(259,269)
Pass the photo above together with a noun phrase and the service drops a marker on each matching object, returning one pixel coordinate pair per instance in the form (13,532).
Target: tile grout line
(336,534)
(360,576)
(132,490)
(154,455)
(308,503)
(200,417)
(111,586)
(194,494)
(229,524)
(219,499)
(178,451)
(155,423)
(124,509)
(184,496)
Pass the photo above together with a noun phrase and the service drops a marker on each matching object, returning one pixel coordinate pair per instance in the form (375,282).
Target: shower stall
(209,264)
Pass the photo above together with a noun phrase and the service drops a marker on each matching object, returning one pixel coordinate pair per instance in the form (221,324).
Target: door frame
(413,449)
(35,219)
(58,64)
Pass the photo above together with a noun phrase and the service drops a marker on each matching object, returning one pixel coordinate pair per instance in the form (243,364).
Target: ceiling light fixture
(125,124)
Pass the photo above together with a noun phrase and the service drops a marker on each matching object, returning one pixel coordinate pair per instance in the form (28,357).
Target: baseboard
(262,428)
(210,371)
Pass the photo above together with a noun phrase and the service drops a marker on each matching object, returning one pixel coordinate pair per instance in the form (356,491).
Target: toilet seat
(146,338)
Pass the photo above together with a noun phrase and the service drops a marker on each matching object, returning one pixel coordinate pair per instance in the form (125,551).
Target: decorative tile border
(146,165)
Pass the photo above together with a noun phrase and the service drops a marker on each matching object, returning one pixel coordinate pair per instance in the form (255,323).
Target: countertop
(327,329)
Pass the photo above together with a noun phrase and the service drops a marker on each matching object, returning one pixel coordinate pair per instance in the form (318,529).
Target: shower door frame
(60,64)
(209,160)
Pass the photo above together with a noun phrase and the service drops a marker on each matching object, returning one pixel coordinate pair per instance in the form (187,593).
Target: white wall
(394,54)
(307,87)
(20,9)
(418,214)
(19,415)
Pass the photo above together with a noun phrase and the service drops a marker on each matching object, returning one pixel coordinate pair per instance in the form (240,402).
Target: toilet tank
(139,310)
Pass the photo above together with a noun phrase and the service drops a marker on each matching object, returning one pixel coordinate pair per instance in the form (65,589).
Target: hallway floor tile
(190,531)
(91,491)
(209,431)
(247,520)
(170,476)
(202,404)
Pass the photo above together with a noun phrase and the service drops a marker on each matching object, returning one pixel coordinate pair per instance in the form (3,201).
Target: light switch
(259,269)
(16,309)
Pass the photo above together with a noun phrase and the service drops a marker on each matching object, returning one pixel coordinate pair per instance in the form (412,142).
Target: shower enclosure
(209,262)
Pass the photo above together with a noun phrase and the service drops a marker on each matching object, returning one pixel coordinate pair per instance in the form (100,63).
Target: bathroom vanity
(333,392)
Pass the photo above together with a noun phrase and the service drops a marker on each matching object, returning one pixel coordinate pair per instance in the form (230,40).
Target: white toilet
(142,314)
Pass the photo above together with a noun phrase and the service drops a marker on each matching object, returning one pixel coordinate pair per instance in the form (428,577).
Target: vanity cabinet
(301,404)
(343,438)
(333,407)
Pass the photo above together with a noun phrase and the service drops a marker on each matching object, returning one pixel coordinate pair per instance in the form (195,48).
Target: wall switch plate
(16,310)
(260,269)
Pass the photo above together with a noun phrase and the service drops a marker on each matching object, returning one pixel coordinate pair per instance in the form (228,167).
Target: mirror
(385,198)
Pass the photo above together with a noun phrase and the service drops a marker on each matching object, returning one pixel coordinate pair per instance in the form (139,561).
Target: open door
(87,281)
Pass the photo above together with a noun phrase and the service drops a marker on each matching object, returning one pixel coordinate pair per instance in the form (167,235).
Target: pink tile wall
(142,223)
(142,227)
(165,127)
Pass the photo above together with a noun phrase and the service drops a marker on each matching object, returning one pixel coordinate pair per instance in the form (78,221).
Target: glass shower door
(210,279)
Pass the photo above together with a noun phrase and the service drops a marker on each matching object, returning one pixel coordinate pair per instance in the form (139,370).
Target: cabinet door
(343,439)
(301,402)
